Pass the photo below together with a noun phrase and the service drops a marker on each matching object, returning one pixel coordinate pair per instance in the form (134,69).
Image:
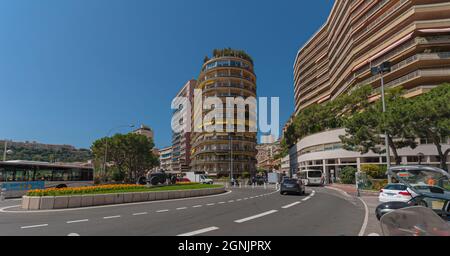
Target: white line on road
(112,217)
(140,213)
(290,205)
(239,200)
(181,208)
(246,198)
(160,211)
(201,231)
(77,221)
(306,199)
(366,218)
(210,204)
(255,216)
(34,226)
(231,201)
(197,206)
(221,202)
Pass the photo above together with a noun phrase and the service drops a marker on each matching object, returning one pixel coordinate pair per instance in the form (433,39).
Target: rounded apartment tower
(228,74)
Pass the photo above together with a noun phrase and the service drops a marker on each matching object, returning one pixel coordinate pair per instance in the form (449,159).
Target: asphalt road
(242,212)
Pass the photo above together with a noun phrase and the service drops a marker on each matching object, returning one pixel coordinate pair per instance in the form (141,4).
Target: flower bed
(108,189)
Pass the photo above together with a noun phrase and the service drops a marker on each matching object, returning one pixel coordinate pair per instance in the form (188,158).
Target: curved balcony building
(229,73)
(414,35)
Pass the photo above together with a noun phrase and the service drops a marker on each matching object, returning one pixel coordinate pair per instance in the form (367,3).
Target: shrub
(374,171)
(347,175)
(379,184)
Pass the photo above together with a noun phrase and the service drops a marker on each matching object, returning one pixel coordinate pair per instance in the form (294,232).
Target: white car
(396,193)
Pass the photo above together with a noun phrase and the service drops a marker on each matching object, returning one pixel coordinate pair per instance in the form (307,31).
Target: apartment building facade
(181,141)
(229,73)
(414,35)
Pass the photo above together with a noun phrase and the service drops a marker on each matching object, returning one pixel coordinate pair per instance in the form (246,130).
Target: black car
(157,178)
(292,186)
(430,184)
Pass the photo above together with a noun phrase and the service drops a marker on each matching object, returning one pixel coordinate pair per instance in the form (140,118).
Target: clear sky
(70,70)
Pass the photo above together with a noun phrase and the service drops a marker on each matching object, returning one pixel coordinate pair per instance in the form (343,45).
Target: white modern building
(324,151)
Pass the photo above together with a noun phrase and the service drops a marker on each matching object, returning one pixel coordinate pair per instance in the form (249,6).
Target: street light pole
(231,157)
(4,151)
(382,69)
(386,136)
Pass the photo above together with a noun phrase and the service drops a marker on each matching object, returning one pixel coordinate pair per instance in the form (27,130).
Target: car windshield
(423,179)
(315,174)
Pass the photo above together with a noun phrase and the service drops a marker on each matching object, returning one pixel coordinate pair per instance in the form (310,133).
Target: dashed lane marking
(112,217)
(161,211)
(34,226)
(181,208)
(197,206)
(256,216)
(77,221)
(140,213)
(290,205)
(201,231)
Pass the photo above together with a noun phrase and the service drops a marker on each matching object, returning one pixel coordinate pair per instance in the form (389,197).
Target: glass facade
(34,173)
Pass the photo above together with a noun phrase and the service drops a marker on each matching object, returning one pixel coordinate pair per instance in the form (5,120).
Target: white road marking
(246,198)
(197,206)
(181,208)
(231,201)
(238,200)
(160,211)
(34,226)
(210,204)
(221,202)
(290,205)
(73,234)
(140,213)
(255,216)
(374,234)
(112,217)
(306,199)
(77,221)
(201,231)
(366,218)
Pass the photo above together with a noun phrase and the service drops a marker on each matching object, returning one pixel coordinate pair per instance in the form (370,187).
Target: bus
(18,177)
(311,177)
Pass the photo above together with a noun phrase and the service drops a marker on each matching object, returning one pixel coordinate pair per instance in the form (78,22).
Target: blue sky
(70,70)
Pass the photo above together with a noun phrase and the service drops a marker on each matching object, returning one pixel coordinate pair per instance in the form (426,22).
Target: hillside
(34,151)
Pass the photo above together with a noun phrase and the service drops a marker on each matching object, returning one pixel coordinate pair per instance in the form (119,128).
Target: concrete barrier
(79,201)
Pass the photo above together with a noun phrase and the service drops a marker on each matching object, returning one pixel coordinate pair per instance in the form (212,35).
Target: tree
(130,153)
(365,129)
(430,118)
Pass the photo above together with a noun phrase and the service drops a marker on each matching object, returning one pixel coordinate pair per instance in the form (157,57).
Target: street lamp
(106,144)
(385,67)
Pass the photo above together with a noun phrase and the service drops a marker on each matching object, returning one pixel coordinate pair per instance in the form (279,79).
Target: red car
(183,180)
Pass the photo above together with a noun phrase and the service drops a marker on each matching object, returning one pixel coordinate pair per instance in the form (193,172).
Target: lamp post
(385,67)
(106,144)
(231,157)
(4,151)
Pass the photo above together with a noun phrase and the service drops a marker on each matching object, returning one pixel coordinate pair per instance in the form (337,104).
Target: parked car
(431,187)
(292,186)
(157,178)
(396,193)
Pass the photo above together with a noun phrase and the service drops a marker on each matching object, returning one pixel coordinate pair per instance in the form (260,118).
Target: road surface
(241,212)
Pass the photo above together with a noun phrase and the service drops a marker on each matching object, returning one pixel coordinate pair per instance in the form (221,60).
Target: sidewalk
(351,190)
